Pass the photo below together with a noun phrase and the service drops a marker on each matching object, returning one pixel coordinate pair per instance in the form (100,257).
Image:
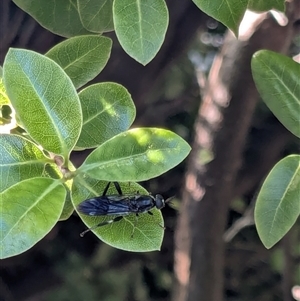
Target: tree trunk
(221,128)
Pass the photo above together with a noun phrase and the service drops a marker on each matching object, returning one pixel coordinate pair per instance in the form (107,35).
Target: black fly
(119,205)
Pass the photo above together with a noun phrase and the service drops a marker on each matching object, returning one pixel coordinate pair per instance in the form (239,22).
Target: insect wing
(94,206)
(105,205)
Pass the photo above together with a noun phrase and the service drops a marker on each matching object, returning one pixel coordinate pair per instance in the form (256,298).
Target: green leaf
(107,111)
(146,229)
(141,27)
(277,80)
(136,155)
(45,100)
(19,159)
(68,208)
(230,13)
(60,17)
(7,121)
(82,58)
(28,211)
(3,96)
(96,15)
(278,202)
(265,5)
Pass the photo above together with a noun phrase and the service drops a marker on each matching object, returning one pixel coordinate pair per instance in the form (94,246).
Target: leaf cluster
(140,26)
(39,184)
(278,203)
(49,119)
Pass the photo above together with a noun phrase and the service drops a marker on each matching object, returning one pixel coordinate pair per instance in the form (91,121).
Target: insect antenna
(169,201)
(116,219)
(87,230)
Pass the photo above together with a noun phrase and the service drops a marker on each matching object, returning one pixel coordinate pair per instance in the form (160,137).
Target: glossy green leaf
(141,27)
(19,159)
(6,120)
(45,100)
(137,234)
(82,58)
(28,211)
(230,13)
(68,208)
(136,155)
(60,17)
(52,171)
(96,15)
(277,80)
(265,5)
(107,111)
(3,96)
(278,202)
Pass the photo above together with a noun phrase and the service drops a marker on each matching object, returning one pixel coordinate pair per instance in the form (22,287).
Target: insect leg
(116,219)
(106,188)
(149,212)
(134,226)
(163,227)
(117,185)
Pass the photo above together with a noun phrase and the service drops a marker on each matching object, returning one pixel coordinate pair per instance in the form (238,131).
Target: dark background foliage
(167,93)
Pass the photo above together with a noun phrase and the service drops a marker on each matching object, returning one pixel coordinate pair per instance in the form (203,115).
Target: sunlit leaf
(68,206)
(107,111)
(19,159)
(96,15)
(136,155)
(45,100)
(277,80)
(82,58)
(141,27)
(3,96)
(28,211)
(278,202)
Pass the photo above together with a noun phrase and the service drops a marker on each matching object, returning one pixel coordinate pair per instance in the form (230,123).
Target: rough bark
(221,129)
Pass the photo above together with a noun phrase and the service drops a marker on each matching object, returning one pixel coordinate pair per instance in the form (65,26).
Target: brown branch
(245,221)
(221,130)
(289,264)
